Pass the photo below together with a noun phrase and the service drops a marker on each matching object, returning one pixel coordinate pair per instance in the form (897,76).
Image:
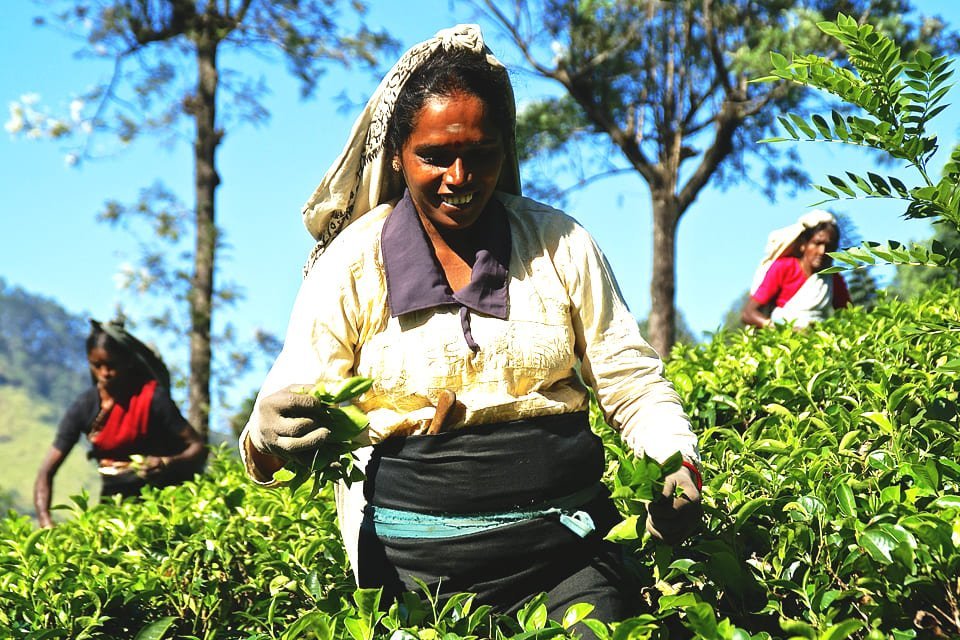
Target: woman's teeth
(458,201)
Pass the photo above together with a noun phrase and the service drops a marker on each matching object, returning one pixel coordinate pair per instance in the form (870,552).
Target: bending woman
(436,279)
(127,412)
(788,277)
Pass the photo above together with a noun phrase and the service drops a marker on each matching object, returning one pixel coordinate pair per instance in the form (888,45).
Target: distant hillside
(26,433)
(41,346)
(42,369)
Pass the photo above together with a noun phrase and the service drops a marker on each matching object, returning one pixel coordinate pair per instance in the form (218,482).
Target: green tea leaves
(334,461)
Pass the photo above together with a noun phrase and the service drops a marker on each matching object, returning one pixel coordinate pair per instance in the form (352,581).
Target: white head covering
(780,240)
(362,178)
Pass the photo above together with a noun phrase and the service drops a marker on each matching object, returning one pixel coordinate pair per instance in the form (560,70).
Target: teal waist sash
(399,523)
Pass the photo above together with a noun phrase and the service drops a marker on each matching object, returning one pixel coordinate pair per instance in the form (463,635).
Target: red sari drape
(127,423)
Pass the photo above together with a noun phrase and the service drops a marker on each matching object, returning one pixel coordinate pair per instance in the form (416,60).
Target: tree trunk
(205,181)
(661,325)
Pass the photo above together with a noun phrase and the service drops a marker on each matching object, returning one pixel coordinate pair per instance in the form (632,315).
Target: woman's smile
(457,200)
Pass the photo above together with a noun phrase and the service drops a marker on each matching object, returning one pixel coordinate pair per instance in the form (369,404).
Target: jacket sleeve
(624,371)
(320,343)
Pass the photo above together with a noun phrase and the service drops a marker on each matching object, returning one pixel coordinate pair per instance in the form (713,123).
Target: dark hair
(809,232)
(446,73)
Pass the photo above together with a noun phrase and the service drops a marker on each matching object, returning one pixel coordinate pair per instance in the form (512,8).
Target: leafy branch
(871,253)
(896,99)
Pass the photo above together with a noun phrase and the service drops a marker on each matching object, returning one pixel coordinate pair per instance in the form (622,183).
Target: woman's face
(813,253)
(107,368)
(451,162)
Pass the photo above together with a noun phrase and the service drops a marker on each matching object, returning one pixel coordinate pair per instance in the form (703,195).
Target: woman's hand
(286,424)
(152,465)
(678,513)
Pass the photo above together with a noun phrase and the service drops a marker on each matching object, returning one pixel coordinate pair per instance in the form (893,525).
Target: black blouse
(163,427)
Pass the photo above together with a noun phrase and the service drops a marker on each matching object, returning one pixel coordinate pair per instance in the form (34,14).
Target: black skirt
(498,468)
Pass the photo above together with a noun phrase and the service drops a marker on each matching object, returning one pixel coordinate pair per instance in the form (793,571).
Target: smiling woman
(451,158)
(475,311)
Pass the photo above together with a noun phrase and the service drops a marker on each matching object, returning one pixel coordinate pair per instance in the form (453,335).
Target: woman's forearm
(43,485)
(41,499)
(751,315)
(193,452)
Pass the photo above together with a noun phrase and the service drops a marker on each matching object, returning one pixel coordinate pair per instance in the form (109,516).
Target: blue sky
(51,245)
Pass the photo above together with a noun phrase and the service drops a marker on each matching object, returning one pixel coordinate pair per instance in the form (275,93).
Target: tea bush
(832,482)
(831,492)
(219,556)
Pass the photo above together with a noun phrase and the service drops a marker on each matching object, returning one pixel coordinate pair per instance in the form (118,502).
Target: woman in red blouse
(790,278)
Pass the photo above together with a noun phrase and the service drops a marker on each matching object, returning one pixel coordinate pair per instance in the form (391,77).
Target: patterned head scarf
(361,178)
(781,240)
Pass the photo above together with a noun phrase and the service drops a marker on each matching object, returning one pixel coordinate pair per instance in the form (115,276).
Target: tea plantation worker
(137,434)
(434,277)
(788,275)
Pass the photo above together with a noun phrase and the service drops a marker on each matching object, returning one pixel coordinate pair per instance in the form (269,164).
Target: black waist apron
(537,481)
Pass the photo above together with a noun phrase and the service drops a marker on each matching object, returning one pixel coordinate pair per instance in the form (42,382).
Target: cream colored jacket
(565,312)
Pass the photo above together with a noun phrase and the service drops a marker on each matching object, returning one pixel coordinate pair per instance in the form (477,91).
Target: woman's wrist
(261,466)
(695,472)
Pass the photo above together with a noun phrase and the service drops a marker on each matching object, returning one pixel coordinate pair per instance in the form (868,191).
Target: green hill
(41,346)
(42,369)
(25,436)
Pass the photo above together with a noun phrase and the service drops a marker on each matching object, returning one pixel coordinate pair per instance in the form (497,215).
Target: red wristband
(696,474)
